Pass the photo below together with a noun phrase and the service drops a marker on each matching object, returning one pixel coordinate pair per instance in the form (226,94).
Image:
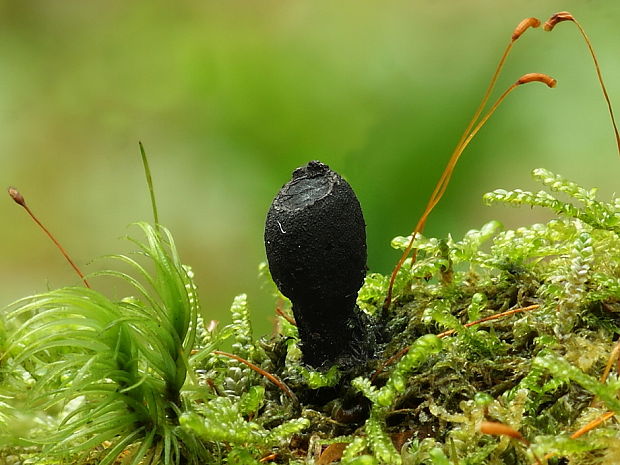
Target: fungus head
(315,238)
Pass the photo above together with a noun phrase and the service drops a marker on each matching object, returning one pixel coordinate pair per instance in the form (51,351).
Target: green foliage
(93,378)
(242,327)
(597,214)
(565,372)
(114,369)
(221,420)
(239,377)
(383,399)
(317,379)
(535,371)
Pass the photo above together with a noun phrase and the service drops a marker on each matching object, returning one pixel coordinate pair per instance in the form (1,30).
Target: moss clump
(440,371)
(535,370)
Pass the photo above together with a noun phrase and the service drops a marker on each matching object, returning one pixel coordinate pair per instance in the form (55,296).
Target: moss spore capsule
(315,238)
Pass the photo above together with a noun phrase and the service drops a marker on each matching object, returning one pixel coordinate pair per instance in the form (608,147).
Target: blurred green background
(230,96)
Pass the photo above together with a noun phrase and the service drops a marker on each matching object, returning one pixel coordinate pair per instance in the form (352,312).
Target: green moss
(86,378)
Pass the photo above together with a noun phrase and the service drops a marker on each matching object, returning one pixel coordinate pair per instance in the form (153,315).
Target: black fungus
(315,238)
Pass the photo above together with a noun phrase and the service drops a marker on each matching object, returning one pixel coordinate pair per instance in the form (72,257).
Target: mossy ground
(540,370)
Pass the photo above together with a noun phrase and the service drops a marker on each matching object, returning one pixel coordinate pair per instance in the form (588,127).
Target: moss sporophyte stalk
(499,347)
